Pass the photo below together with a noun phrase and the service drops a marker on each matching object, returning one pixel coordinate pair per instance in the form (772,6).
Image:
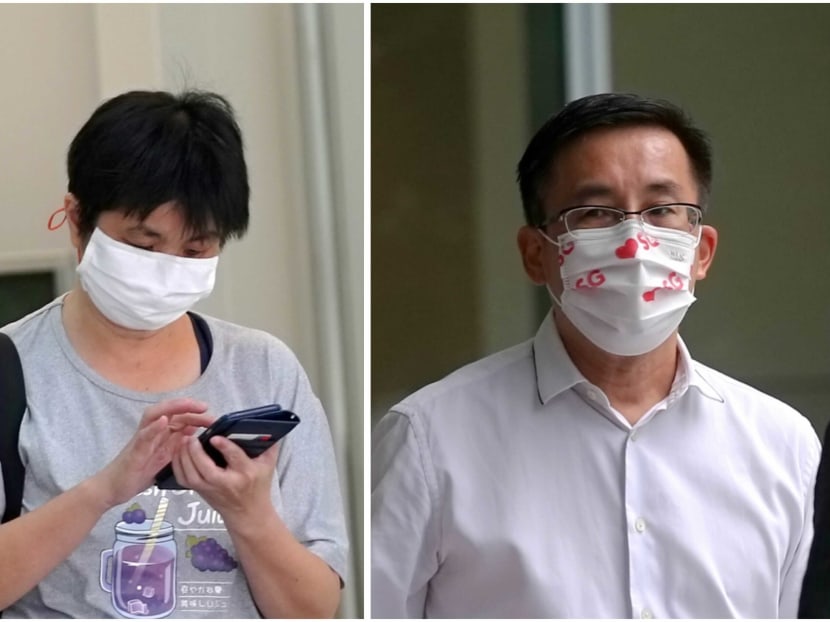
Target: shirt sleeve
(405,538)
(308,480)
(791,583)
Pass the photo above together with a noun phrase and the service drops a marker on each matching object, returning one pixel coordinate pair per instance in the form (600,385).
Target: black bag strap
(12,407)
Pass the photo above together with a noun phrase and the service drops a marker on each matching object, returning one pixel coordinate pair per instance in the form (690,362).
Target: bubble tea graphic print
(154,569)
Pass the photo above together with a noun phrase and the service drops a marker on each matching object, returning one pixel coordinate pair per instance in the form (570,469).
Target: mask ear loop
(699,234)
(553,297)
(547,237)
(692,282)
(547,287)
(51,222)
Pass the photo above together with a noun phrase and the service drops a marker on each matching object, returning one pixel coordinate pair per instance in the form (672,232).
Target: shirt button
(633,436)
(646,614)
(640,526)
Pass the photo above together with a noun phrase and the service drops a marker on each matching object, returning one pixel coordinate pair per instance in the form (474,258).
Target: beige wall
(756,77)
(40,116)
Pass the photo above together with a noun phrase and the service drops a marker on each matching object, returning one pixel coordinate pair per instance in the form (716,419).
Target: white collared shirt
(512,488)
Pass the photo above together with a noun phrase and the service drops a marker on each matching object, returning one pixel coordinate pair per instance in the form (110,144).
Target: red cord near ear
(51,225)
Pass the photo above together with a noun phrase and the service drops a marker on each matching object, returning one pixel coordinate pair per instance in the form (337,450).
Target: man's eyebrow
(590,192)
(664,186)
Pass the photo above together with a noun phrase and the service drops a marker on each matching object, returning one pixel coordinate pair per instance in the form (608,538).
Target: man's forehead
(637,132)
(590,166)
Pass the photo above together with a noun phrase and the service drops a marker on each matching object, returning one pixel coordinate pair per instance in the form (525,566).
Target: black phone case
(254,430)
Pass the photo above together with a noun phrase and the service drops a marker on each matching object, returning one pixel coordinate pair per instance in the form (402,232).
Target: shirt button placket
(637,530)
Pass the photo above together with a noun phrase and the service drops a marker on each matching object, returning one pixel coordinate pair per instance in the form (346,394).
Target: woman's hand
(162,428)
(241,489)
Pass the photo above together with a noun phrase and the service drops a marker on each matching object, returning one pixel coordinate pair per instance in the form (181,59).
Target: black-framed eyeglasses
(678,216)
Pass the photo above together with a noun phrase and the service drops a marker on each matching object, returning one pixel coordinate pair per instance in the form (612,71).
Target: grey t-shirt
(185,565)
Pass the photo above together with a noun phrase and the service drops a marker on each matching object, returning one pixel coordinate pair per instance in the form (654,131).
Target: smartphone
(254,430)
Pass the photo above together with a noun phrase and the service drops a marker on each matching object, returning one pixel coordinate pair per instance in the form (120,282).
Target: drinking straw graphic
(161,510)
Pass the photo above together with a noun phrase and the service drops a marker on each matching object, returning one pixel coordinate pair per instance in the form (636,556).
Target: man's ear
(531,247)
(705,251)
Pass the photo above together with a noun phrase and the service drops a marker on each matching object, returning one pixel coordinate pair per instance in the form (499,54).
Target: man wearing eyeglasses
(597,470)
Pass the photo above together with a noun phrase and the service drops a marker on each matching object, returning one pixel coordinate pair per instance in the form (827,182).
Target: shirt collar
(689,374)
(556,373)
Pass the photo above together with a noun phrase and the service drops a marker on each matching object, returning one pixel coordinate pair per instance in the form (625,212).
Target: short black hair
(141,149)
(603,111)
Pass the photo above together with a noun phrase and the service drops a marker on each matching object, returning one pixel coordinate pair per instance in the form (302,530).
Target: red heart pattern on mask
(627,250)
(649,295)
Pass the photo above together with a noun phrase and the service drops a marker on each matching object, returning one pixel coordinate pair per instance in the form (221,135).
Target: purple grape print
(207,554)
(134,514)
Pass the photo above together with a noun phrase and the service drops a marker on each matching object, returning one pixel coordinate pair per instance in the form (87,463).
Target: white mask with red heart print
(627,287)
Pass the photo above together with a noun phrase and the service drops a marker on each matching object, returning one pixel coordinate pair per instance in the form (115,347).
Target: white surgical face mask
(140,289)
(627,287)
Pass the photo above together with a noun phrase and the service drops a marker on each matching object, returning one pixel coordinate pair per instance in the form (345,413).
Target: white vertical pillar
(324,243)
(587,50)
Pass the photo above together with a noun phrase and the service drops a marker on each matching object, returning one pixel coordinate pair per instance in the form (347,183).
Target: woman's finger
(181,421)
(176,406)
(188,466)
(234,455)
(146,436)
